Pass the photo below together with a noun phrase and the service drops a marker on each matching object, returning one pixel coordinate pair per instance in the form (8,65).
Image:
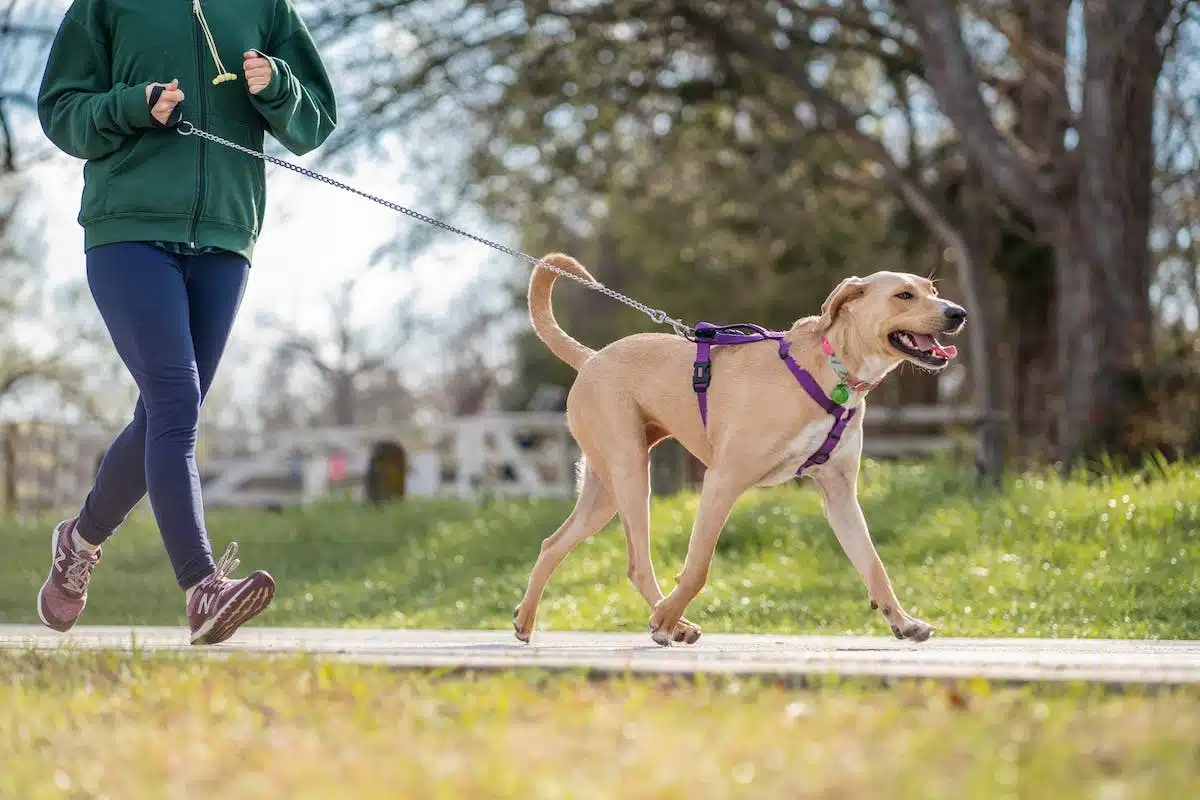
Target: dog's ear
(846,291)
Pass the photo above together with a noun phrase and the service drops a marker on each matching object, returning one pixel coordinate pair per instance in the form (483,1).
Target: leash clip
(185,131)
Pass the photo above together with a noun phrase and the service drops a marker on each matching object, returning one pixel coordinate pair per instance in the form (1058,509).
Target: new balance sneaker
(220,605)
(64,594)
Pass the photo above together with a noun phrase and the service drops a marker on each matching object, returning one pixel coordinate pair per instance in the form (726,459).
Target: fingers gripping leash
(659,316)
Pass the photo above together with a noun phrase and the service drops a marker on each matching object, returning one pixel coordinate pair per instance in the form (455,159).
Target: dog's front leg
(717,497)
(839,496)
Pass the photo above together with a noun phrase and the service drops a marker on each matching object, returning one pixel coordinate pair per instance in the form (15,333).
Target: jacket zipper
(203,125)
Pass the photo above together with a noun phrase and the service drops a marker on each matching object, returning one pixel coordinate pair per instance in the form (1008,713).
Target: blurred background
(723,161)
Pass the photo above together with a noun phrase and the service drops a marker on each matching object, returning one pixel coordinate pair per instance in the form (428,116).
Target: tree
(1082,176)
(1175,239)
(26,29)
(986,86)
(579,107)
(349,361)
(41,361)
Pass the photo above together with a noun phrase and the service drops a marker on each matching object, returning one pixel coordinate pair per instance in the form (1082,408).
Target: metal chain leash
(658,315)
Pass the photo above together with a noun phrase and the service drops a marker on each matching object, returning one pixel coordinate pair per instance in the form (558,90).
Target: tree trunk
(1080,341)
(1033,396)
(978,245)
(343,400)
(1091,202)
(1101,241)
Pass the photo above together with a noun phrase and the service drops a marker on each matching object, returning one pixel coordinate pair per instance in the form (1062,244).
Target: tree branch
(837,116)
(1174,26)
(952,73)
(15,378)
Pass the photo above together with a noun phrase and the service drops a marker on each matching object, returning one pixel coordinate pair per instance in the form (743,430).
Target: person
(170,224)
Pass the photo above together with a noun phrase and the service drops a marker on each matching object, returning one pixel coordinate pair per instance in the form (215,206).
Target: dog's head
(895,316)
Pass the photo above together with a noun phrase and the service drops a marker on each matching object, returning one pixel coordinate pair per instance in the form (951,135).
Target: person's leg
(214,295)
(168,317)
(217,606)
(214,284)
(119,485)
(141,297)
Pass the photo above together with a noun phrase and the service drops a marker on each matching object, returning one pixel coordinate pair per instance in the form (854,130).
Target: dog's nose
(955,314)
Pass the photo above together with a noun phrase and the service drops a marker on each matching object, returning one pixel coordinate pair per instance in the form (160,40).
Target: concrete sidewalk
(1008,660)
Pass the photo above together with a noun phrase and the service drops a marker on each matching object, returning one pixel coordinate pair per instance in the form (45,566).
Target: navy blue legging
(169,317)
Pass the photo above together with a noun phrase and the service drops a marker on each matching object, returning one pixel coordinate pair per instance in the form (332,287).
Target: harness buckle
(701,375)
(819,457)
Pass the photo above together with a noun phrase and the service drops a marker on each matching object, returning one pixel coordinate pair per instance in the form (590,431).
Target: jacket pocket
(156,174)
(126,156)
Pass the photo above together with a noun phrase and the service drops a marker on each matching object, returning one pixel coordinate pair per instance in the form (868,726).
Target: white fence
(527,454)
(520,454)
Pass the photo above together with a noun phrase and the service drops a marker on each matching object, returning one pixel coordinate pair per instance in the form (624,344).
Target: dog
(761,426)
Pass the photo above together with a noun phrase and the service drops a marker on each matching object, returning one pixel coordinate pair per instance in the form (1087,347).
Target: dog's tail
(541,285)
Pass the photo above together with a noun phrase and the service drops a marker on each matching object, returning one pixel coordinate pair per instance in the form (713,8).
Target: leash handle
(176,113)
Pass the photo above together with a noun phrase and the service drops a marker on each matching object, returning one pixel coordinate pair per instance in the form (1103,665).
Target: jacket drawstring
(222,73)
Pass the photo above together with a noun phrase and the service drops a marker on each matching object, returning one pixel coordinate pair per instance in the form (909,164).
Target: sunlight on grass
(1113,556)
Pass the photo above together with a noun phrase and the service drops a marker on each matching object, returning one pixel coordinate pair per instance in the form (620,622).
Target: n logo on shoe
(59,557)
(206,603)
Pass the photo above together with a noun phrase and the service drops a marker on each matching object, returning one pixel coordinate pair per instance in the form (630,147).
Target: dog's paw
(522,624)
(661,632)
(685,632)
(667,633)
(912,629)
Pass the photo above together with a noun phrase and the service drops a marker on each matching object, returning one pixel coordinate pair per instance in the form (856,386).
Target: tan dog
(762,426)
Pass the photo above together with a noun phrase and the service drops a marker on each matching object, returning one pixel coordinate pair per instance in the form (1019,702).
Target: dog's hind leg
(594,508)
(631,488)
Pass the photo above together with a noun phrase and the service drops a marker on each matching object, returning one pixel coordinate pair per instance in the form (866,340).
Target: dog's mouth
(922,347)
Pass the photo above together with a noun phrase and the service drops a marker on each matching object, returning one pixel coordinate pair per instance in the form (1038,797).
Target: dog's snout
(955,314)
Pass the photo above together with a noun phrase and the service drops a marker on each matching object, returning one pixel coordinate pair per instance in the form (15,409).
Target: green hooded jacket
(143,182)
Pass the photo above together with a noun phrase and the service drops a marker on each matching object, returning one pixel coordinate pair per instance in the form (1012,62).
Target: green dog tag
(840,394)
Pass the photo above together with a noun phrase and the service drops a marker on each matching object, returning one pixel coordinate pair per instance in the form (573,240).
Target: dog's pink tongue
(930,345)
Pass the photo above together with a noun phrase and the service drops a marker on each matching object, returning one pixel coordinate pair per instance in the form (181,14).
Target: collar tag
(841,392)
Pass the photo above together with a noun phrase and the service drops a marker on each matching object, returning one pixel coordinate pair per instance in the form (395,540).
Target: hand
(171,97)
(257,70)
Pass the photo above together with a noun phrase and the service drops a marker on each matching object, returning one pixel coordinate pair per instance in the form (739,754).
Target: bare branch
(953,74)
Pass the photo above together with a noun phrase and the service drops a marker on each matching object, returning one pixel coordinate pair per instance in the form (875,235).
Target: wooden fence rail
(46,467)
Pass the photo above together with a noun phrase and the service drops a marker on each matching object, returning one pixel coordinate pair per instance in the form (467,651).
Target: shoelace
(77,573)
(228,563)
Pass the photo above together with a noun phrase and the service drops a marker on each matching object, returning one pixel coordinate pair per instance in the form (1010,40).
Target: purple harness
(709,336)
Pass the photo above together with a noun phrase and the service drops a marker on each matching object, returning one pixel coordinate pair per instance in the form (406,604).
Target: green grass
(121,726)
(1113,556)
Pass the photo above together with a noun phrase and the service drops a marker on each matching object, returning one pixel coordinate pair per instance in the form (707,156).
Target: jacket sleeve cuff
(277,87)
(134,108)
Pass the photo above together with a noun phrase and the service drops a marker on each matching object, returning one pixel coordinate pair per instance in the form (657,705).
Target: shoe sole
(61,627)
(244,606)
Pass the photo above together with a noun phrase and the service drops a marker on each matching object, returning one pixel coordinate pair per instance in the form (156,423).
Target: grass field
(127,727)
(1116,556)
(1109,556)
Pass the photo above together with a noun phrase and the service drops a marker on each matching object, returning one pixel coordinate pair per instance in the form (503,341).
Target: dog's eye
(905,296)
